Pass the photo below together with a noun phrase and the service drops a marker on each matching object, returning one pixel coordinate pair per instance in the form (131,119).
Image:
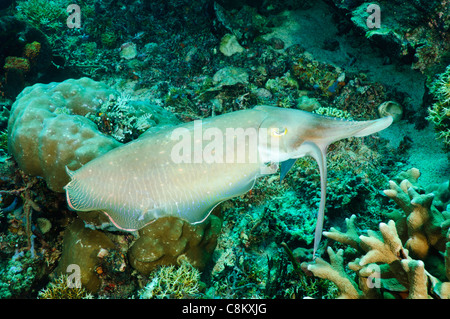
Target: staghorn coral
(408,257)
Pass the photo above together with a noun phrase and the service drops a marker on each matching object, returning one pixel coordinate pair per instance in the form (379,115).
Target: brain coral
(47,129)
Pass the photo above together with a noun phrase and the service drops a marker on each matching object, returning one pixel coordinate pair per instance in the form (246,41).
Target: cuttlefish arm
(187,170)
(318,152)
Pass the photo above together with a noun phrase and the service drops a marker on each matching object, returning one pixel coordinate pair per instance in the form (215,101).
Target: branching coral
(406,258)
(335,272)
(439,112)
(60,288)
(173,282)
(43,13)
(422,220)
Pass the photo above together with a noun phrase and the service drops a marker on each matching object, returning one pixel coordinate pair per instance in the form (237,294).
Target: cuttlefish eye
(279,131)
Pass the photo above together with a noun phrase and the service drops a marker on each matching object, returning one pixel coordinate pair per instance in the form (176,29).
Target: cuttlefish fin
(69,172)
(285,167)
(318,152)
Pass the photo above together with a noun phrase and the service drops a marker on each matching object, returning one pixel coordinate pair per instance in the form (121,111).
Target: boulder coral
(44,115)
(162,242)
(53,126)
(81,247)
(407,258)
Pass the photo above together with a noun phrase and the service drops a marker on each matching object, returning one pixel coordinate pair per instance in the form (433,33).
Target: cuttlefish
(187,170)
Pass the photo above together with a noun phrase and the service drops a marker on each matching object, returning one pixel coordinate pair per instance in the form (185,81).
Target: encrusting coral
(408,257)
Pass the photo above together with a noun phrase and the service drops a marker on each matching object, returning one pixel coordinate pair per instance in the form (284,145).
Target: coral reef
(162,242)
(104,258)
(177,282)
(45,114)
(439,112)
(61,107)
(407,258)
(81,247)
(101,256)
(202,58)
(60,288)
(416,34)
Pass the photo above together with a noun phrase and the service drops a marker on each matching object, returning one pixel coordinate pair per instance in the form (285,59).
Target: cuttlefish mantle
(187,170)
